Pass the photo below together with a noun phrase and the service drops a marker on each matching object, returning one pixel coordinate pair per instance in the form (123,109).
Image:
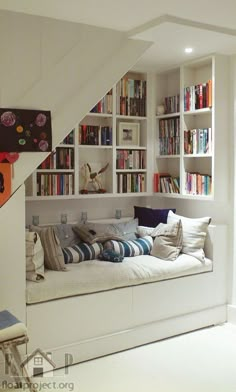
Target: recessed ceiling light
(188,50)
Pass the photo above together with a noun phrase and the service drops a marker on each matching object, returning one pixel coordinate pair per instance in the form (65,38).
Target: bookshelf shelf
(138,118)
(168,156)
(198,112)
(169,115)
(101,115)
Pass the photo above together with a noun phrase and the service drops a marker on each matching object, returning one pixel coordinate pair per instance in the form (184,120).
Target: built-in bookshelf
(116,138)
(185,138)
(109,145)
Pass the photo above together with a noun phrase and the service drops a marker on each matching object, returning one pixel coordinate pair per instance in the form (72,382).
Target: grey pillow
(128,229)
(66,234)
(97,232)
(168,240)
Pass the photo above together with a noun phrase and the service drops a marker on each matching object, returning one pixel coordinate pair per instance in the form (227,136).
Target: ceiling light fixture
(188,50)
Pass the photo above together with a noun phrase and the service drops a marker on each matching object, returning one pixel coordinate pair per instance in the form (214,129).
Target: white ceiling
(206,26)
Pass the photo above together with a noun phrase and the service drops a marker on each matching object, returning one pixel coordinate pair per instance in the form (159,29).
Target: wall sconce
(84,217)
(118,214)
(63,218)
(35,220)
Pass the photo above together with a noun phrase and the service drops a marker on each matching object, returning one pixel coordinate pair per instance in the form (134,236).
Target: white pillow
(143,231)
(194,234)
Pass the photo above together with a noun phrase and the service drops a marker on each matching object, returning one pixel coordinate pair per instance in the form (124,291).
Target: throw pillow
(194,234)
(97,232)
(82,252)
(53,256)
(110,255)
(168,240)
(128,229)
(140,246)
(34,257)
(151,217)
(66,234)
(142,231)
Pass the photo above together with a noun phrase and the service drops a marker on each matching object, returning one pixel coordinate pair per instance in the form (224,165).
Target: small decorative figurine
(92,177)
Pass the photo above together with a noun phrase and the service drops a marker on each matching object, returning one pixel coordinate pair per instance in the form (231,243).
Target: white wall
(12,240)
(58,66)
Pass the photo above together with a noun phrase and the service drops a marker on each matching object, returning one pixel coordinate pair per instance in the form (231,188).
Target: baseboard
(137,336)
(231,314)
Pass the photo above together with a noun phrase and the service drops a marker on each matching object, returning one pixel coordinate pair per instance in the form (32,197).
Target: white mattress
(95,275)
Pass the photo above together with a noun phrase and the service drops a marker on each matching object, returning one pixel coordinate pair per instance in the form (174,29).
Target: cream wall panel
(20,56)
(67,80)
(12,260)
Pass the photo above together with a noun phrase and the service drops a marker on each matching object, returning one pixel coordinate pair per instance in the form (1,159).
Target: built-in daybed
(97,308)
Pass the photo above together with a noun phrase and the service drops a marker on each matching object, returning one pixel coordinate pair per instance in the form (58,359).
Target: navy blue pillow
(151,217)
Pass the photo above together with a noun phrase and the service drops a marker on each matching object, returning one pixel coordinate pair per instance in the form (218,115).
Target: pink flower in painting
(43,145)
(40,120)
(8,119)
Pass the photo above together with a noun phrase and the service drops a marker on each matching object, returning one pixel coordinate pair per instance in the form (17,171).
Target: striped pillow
(140,246)
(81,252)
(53,256)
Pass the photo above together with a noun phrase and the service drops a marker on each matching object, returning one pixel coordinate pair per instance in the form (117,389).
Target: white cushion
(168,240)
(194,234)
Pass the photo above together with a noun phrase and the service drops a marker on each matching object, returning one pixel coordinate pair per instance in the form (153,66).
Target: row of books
(131,88)
(104,105)
(169,127)
(198,184)
(130,182)
(198,96)
(131,106)
(55,184)
(171,104)
(165,183)
(60,158)
(131,97)
(130,159)
(95,135)
(169,146)
(198,141)
(69,139)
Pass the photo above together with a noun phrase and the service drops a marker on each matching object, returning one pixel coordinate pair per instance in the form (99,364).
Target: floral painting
(25,130)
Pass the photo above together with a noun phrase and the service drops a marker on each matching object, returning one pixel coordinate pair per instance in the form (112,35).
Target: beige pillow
(168,240)
(34,257)
(194,234)
(53,255)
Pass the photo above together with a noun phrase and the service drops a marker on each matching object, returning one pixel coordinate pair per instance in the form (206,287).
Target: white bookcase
(200,131)
(137,148)
(124,148)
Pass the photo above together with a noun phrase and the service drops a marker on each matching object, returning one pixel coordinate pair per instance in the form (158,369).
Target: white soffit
(171,38)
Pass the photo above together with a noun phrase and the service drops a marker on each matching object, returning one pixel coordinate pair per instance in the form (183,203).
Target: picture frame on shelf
(128,134)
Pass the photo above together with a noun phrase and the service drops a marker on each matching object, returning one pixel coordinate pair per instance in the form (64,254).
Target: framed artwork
(25,130)
(5,182)
(128,134)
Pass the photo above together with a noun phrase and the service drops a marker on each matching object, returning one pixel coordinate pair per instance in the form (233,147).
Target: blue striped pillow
(140,246)
(81,252)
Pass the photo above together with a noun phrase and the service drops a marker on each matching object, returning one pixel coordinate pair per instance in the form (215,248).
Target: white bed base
(93,325)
